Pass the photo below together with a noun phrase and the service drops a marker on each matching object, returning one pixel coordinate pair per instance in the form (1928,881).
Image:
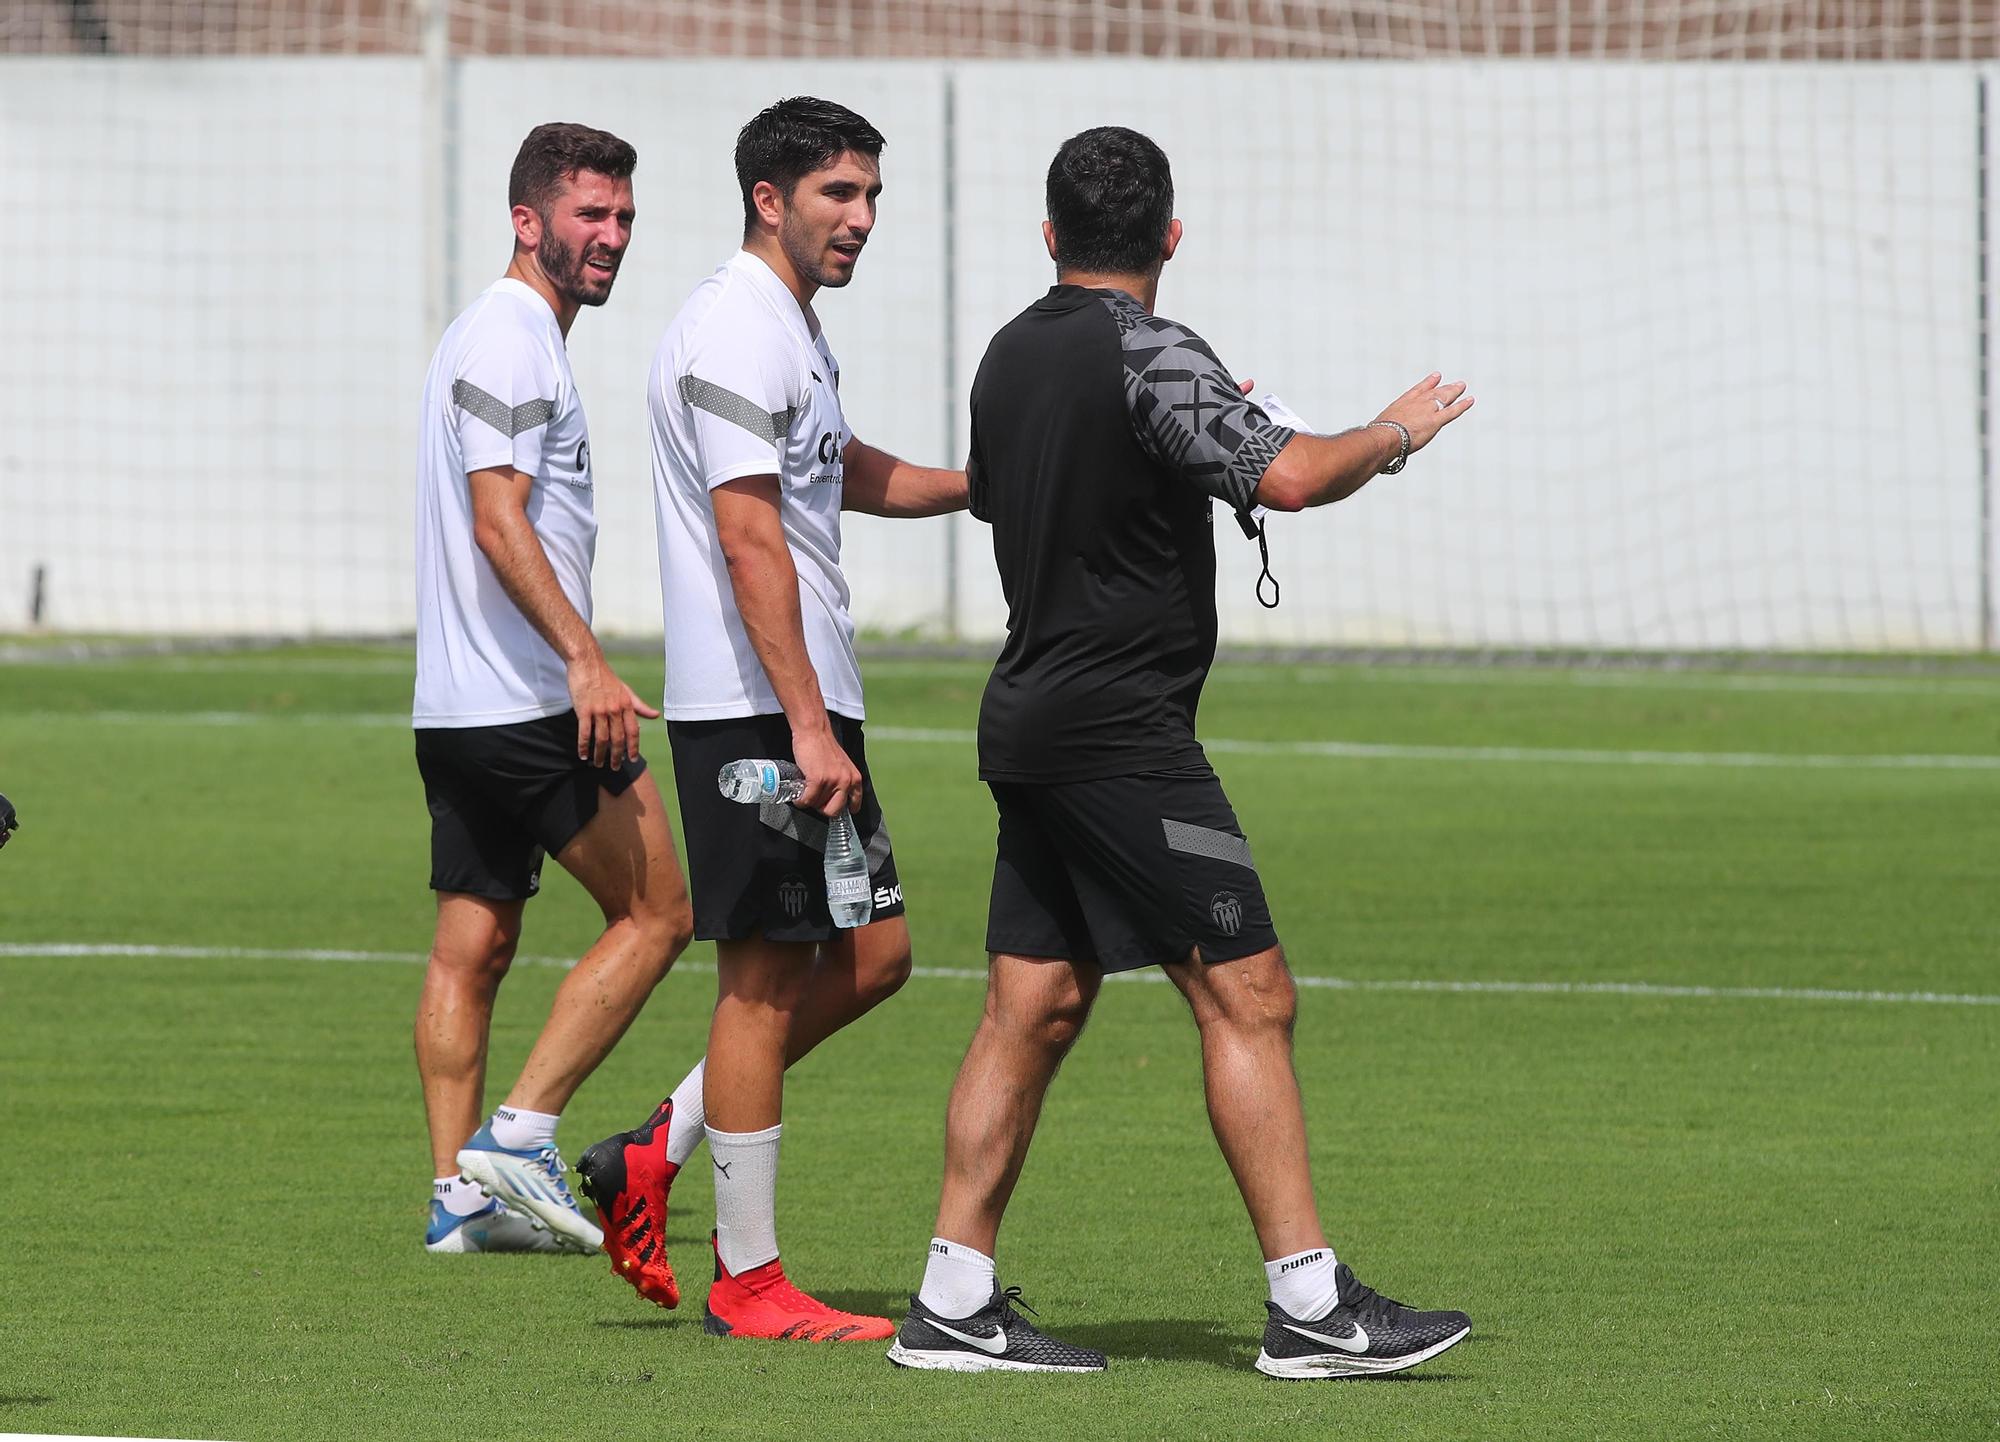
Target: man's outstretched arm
(1318,470)
(879,484)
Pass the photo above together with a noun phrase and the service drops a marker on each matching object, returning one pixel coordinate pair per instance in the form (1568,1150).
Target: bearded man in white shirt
(527,740)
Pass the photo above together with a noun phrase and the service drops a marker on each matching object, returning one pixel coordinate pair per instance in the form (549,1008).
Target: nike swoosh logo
(995,1344)
(1357,1344)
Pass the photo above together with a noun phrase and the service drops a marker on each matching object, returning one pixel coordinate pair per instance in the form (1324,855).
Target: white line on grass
(1373,751)
(226,718)
(1614,680)
(1333,750)
(1340,673)
(85,950)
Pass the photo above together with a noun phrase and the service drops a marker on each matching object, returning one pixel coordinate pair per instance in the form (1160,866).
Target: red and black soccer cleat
(763,1304)
(627,1176)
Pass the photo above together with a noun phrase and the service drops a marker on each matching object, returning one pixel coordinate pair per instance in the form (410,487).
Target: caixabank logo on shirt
(581,479)
(831,443)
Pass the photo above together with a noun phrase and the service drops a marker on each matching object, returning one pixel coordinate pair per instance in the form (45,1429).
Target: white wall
(211,342)
(1721,321)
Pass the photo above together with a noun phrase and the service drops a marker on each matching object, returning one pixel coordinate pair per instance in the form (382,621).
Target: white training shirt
(499,393)
(742,386)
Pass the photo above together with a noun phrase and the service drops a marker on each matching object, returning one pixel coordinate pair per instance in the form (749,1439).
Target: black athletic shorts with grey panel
(760,870)
(501,797)
(1125,872)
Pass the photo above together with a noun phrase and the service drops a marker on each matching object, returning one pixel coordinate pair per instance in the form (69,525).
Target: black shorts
(1125,872)
(502,797)
(760,870)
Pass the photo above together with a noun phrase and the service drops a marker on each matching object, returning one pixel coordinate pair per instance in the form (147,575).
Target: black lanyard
(1253,529)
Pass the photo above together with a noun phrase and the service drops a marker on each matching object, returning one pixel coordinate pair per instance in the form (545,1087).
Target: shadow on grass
(1166,1339)
(1205,1340)
(892,1305)
(1384,1380)
(25,1399)
(648,1324)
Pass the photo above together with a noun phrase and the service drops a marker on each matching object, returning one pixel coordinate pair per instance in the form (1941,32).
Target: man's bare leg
(625,859)
(760,986)
(1035,1010)
(1245,1011)
(852,974)
(960,1321)
(1322,1322)
(630,1175)
(471,952)
(849,976)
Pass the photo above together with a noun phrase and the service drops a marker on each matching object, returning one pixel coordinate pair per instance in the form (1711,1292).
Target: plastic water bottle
(755,782)
(848,895)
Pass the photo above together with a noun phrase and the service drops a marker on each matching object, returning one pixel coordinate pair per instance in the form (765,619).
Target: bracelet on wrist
(1403,450)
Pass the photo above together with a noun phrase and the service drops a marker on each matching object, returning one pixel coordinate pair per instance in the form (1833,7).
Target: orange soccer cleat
(763,1303)
(627,1176)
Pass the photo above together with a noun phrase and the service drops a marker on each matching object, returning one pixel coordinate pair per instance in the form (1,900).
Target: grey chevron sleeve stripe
(510,421)
(1186,410)
(737,410)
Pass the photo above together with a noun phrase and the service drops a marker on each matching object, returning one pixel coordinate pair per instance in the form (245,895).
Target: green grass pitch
(1681,1209)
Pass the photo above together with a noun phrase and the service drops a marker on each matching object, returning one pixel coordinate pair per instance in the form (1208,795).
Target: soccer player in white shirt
(753,462)
(527,740)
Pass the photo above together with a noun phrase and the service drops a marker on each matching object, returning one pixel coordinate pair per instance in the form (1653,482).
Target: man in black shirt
(1101,434)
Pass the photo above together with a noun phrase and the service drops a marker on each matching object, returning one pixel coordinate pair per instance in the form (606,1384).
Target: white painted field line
(1341,673)
(222,718)
(85,950)
(1615,680)
(1372,751)
(1334,750)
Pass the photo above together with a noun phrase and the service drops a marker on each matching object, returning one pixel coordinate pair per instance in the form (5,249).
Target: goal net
(1716,269)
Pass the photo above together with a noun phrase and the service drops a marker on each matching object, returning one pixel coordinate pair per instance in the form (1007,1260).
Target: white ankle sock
(957,1280)
(746,1196)
(517,1128)
(460,1198)
(689,1124)
(1303,1285)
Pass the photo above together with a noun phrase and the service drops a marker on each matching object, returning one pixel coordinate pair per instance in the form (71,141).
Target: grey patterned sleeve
(1186,409)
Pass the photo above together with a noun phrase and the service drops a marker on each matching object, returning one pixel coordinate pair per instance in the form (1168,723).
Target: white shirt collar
(521,288)
(758,272)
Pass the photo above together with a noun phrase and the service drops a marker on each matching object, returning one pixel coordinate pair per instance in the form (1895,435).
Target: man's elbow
(490,537)
(1283,488)
(742,551)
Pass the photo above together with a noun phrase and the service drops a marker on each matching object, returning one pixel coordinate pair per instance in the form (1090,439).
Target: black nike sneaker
(1365,1335)
(996,1338)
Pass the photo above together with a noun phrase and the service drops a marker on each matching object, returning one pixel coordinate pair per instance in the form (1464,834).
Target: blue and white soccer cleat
(490,1229)
(530,1182)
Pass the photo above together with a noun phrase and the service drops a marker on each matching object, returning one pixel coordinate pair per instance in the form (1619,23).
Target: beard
(807,253)
(567,273)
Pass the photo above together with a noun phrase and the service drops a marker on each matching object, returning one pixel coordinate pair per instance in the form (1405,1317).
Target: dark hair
(1111,199)
(786,142)
(553,154)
